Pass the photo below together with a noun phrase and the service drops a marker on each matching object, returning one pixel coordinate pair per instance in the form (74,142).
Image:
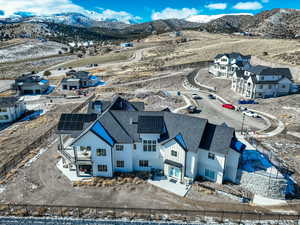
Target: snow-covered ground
(30,49)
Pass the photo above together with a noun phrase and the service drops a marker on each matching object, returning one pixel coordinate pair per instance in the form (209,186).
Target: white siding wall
(13,113)
(232,161)
(216,165)
(173,145)
(126,155)
(155,159)
(92,140)
(191,165)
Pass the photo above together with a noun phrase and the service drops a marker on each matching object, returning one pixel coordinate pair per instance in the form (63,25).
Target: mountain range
(276,23)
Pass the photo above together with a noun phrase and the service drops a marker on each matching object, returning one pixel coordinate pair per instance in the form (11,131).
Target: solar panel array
(150,124)
(75,121)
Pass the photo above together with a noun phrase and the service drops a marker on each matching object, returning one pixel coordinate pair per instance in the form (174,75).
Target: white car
(250,114)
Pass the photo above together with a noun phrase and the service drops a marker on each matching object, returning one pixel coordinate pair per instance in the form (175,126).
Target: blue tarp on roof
(180,140)
(237,145)
(101,132)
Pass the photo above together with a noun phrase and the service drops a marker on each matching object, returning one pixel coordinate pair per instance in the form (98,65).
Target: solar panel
(150,124)
(75,121)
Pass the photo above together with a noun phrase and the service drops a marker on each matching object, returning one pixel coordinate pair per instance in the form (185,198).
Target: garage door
(28,92)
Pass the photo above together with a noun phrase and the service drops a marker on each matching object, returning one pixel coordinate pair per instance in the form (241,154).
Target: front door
(175,172)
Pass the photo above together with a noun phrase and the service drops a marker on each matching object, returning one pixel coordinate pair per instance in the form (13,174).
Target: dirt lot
(15,138)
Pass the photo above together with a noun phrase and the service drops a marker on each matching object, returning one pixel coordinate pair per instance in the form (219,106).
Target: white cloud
(248,6)
(169,13)
(48,7)
(217,6)
(208,18)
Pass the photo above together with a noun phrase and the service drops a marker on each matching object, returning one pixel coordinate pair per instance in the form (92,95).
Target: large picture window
(149,145)
(173,153)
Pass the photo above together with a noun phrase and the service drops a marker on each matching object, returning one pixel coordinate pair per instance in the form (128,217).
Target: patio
(175,188)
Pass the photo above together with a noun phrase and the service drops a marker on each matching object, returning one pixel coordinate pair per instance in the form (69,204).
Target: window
(3,117)
(173,153)
(149,146)
(211,156)
(209,174)
(143,163)
(87,148)
(102,168)
(270,86)
(262,78)
(119,147)
(101,152)
(3,109)
(283,86)
(134,146)
(120,164)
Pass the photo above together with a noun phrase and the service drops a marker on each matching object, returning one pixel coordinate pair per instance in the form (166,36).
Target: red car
(228,106)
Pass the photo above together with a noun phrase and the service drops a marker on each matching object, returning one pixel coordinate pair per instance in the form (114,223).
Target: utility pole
(243,123)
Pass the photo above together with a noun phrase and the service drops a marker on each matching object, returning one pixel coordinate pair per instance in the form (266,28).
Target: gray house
(79,79)
(262,82)
(31,84)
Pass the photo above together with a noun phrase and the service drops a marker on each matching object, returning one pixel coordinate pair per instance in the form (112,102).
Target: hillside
(276,23)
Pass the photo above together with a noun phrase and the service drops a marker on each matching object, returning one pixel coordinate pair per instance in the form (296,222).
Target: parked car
(210,96)
(250,114)
(228,106)
(193,109)
(242,109)
(196,96)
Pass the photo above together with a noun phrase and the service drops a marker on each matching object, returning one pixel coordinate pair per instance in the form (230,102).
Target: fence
(137,213)
(38,142)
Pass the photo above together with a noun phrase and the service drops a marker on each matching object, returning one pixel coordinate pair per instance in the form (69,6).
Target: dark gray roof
(29,78)
(125,127)
(118,103)
(264,70)
(8,101)
(217,138)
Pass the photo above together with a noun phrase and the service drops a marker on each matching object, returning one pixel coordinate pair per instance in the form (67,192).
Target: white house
(225,65)
(124,138)
(262,82)
(11,109)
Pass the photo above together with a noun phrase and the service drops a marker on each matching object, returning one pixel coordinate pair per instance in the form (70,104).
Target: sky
(140,10)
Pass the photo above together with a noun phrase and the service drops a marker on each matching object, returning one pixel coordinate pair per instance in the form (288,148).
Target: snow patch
(209,18)
(35,157)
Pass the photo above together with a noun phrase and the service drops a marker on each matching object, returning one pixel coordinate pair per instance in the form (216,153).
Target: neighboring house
(11,109)
(225,65)
(79,79)
(262,82)
(127,45)
(122,137)
(31,84)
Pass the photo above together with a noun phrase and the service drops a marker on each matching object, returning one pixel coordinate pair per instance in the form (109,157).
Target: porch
(170,185)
